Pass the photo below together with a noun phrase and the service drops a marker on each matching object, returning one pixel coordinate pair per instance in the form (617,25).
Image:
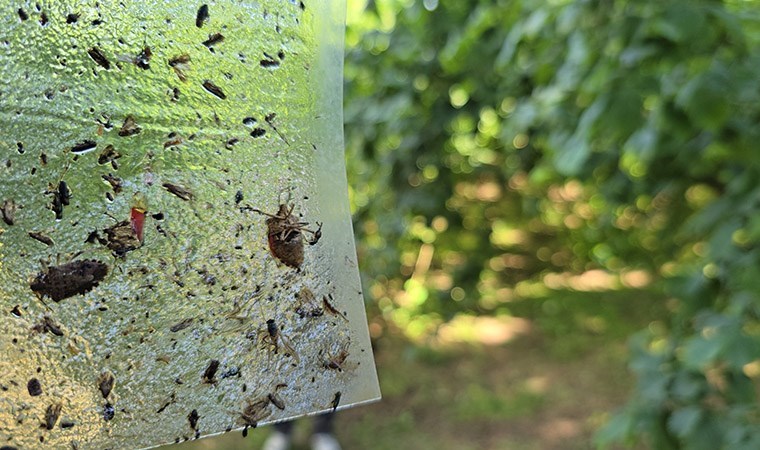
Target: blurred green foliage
(493,142)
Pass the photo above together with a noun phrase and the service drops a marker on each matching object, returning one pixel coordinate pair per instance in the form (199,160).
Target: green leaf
(572,154)
(699,352)
(706,99)
(688,386)
(618,429)
(642,143)
(509,47)
(682,422)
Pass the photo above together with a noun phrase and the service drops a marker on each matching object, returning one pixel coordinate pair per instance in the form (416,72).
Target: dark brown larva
(68,280)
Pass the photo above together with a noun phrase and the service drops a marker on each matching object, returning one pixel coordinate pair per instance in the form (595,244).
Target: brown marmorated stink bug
(285,235)
(68,280)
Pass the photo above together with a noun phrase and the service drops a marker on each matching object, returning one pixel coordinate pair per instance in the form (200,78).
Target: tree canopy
(493,142)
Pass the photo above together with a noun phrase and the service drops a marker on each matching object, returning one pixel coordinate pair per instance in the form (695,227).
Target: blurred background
(556,212)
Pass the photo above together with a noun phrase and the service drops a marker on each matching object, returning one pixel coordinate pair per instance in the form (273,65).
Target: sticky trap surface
(176,254)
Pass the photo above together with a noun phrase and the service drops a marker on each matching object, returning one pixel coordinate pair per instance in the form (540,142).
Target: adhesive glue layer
(176,254)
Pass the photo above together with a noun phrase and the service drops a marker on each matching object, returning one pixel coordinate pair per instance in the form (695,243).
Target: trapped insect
(180,64)
(336,360)
(61,197)
(192,418)
(274,338)
(210,372)
(201,16)
(41,237)
(255,411)
(68,280)
(109,155)
(105,383)
(97,55)
(34,387)
(336,401)
(285,235)
(330,308)
(8,211)
(307,305)
(214,89)
(129,127)
(121,238)
(179,191)
(48,325)
(52,414)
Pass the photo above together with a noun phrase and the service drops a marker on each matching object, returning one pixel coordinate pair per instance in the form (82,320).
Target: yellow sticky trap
(176,251)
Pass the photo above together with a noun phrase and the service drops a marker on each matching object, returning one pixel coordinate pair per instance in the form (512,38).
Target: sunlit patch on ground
(597,280)
(482,330)
(561,428)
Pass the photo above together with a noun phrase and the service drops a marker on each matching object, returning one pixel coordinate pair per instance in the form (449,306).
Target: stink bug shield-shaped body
(122,238)
(285,235)
(67,280)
